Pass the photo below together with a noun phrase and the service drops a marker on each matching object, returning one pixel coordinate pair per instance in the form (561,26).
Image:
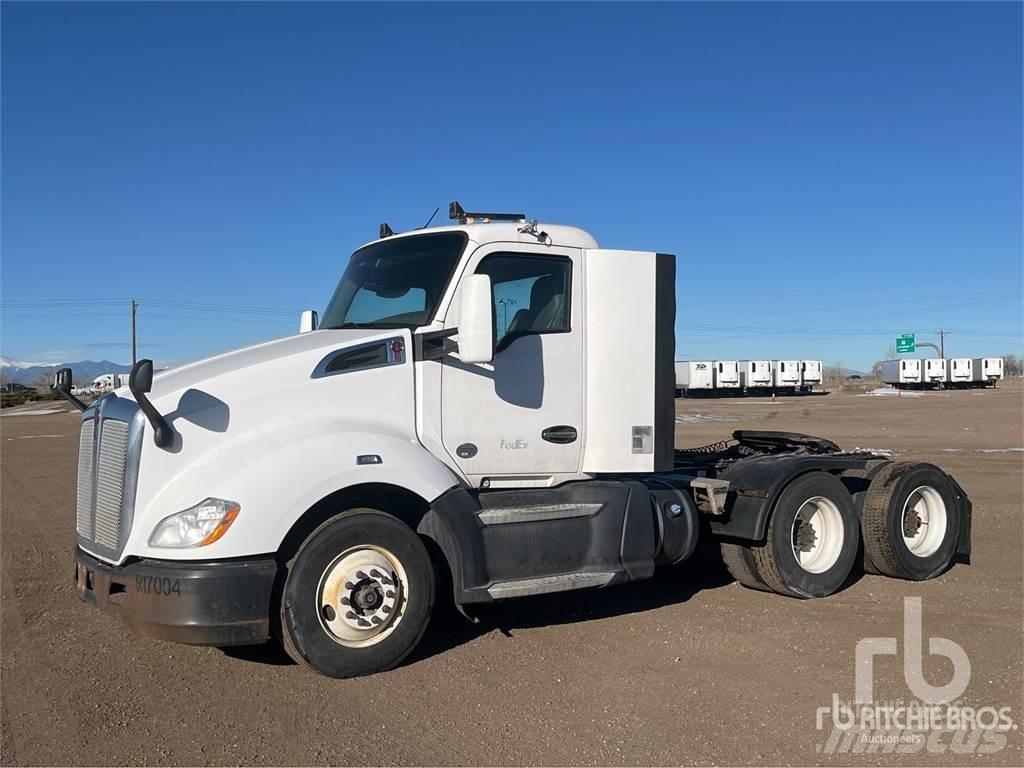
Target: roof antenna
(431,218)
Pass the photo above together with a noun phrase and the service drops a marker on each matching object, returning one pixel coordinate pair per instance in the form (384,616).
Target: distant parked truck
(695,376)
(786,374)
(934,371)
(959,372)
(988,370)
(727,374)
(756,374)
(902,374)
(810,374)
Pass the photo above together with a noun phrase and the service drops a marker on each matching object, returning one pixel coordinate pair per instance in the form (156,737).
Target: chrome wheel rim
(817,534)
(924,521)
(362,595)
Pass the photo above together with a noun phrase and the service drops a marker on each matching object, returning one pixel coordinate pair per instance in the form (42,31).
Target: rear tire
(358,595)
(911,521)
(813,538)
(739,561)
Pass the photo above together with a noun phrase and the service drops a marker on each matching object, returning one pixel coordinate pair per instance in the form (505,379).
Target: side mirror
(308,321)
(62,383)
(476,320)
(141,377)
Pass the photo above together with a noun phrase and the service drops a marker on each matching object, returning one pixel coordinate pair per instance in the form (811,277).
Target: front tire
(813,538)
(358,595)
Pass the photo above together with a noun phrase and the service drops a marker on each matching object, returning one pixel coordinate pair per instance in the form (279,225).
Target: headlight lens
(196,526)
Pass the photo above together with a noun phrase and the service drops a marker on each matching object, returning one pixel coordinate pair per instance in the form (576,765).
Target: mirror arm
(433,345)
(61,383)
(162,434)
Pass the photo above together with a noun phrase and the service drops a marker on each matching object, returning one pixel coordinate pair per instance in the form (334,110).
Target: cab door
(518,420)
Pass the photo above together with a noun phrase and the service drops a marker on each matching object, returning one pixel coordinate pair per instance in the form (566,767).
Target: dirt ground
(688,668)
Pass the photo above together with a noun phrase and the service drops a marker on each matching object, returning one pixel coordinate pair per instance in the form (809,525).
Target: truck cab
(487,405)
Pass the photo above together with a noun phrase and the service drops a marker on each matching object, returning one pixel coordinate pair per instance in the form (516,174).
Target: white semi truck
(810,374)
(902,374)
(695,376)
(987,371)
(317,489)
(959,372)
(727,374)
(756,374)
(933,371)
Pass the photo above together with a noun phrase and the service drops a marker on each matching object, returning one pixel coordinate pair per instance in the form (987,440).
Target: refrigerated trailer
(324,490)
(810,374)
(933,371)
(786,374)
(987,370)
(902,374)
(694,376)
(727,374)
(959,372)
(755,374)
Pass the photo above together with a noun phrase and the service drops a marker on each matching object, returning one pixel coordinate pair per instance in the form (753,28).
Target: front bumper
(199,603)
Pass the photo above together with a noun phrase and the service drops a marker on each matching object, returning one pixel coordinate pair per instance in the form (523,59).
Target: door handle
(560,434)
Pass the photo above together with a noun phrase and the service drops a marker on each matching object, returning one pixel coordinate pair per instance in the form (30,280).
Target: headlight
(196,526)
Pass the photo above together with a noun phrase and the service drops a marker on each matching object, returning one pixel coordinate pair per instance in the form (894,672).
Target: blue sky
(829,175)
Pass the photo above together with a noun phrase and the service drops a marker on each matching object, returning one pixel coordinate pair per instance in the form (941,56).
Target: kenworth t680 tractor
(487,405)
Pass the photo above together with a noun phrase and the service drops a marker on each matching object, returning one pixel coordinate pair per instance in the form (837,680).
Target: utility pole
(135,306)
(942,338)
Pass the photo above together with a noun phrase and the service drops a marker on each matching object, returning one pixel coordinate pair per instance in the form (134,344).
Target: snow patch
(890,392)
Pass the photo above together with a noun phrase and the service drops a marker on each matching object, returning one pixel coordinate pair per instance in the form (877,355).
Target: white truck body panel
(959,370)
(727,374)
(810,372)
(934,371)
(988,368)
(786,373)
(620,359)
(904,371)
(695,374)
(756,373)
(276,461)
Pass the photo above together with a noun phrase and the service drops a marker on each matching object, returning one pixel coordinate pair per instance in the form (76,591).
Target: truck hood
(304,345)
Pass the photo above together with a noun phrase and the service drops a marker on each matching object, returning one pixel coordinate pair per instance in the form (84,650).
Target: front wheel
(358,595)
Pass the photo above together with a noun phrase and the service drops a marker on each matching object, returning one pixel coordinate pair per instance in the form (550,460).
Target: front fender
(277,484)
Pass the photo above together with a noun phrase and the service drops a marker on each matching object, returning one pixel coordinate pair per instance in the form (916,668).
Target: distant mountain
(83,370)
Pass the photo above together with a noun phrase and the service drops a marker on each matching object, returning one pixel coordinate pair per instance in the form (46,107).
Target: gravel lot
(688,668)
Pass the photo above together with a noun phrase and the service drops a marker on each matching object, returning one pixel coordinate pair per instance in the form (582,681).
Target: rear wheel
(911,521)
(813,538)
(739,561)
(358,595)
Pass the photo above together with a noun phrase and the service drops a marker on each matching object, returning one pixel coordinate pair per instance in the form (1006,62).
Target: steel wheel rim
(817,534)
(924,521)
(362,596)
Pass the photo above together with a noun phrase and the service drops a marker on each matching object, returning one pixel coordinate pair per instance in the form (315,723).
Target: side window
(531,294)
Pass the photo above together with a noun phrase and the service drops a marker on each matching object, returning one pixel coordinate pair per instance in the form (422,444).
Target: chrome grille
(83,516)
(108,454)
(112,456)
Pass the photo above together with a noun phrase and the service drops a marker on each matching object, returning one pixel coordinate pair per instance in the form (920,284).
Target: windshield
(396,283)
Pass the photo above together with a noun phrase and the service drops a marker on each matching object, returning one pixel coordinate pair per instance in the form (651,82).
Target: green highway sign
(905,343)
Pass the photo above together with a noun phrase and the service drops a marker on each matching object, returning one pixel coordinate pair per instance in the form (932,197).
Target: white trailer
(934,371)
(323,517)
(959,372)
(810,374)
(695,376)
(988,370)
(727,374)
(756,374)
(786,374)
(902,374)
